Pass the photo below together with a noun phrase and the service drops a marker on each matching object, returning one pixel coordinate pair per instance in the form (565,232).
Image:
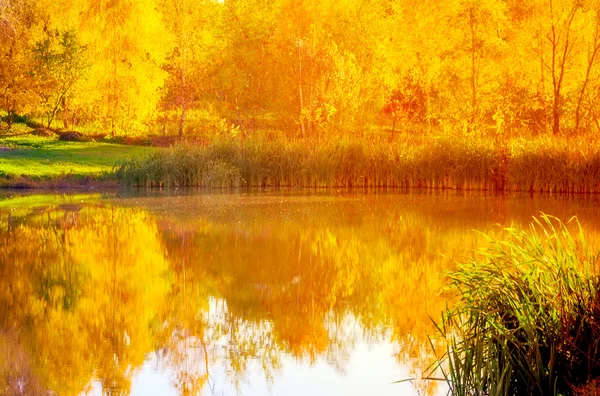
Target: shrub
(72,136)
(528,317)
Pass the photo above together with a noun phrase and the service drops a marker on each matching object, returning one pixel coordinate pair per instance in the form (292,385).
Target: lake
(283,292)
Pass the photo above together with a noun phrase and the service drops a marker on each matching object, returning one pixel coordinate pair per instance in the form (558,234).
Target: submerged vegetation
(546,164)
(528,316)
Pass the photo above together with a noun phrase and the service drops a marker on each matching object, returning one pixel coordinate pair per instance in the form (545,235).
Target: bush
(528,317)
(43,132)
(72,136)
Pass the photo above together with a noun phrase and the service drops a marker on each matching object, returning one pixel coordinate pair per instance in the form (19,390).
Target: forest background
(302,67)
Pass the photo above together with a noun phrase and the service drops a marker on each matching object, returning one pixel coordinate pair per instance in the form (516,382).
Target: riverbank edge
(90,183)
(28,184)
(70,182)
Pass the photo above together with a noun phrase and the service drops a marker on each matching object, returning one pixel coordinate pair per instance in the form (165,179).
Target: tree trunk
(300,91)
(596,120)
(182,120)
(591,60)
(9,119)
(51,116)
(556,114)
(559,65)
(65,116)
(473,69)
(578,115)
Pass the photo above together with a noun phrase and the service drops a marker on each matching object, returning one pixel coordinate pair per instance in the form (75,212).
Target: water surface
(276,292)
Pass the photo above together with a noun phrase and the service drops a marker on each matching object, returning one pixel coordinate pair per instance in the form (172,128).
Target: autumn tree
(125,55)
(253,66)
(60,63)
(562,40)
(311,68)
(17,31)
(592,53)
(195,51)
(407,104)
(556,43)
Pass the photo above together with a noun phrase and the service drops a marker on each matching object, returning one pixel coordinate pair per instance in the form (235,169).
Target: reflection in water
(213,289)
(80,287)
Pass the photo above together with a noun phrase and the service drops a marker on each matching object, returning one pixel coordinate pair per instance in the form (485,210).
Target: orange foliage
(303,66)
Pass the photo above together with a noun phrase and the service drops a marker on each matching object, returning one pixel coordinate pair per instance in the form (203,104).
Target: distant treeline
(306,67)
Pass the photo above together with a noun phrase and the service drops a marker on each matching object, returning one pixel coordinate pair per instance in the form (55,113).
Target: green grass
(42,158)
(528,317)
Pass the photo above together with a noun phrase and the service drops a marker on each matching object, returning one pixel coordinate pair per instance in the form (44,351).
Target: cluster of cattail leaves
(547,164)
(528,317)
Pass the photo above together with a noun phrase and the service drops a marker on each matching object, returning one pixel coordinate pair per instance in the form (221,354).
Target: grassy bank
(528,317)
(46,162)
(544,164)
(541,164)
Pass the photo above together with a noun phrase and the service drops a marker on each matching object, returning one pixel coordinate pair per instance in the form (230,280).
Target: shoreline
(90,183)
(75,182)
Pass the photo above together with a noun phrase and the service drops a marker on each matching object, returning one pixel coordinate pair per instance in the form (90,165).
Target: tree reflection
(311,291)
(88,293)
(81,287)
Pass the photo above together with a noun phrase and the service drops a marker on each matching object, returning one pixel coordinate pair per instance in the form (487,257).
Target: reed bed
(528,317)
(545,164)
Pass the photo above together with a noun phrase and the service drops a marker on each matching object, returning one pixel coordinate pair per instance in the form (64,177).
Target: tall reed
(447,162)
(527,320)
